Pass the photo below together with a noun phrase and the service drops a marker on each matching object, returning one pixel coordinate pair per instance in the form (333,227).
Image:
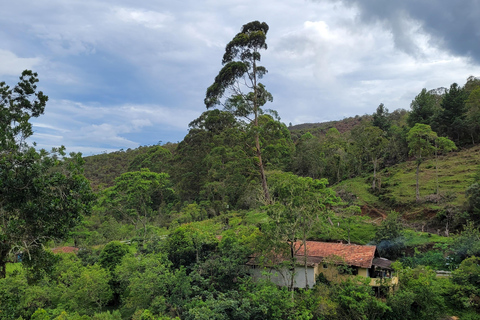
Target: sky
(122,74)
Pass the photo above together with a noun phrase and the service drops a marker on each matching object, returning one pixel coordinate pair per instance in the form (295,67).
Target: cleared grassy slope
(455,171)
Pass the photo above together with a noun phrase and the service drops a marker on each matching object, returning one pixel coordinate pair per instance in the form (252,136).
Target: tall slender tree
(420,142)
(240,77)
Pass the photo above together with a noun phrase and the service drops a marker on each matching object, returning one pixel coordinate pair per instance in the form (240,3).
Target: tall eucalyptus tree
(238,80)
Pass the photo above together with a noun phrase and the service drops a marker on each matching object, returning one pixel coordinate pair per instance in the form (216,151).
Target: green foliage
(423,108)
(450,121)
(102,169)
(358,301)
(473,196)
(433,259)
(150,283)
(12,292)
(241,70)
(276,143)
(381,118)
(299,204)
(419,296)
(472,105)
(467,243)
(42,265)
(17,106)
(115,315)
(187,245)
(112,255)
(44,195)
(466,281)
(139,197)
(214,164)
(156,159)
(224,268)
(420,141)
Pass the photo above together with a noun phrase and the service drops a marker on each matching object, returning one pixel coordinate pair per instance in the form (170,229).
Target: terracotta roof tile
(352,254)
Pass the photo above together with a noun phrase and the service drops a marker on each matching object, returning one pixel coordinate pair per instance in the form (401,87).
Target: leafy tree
(467,283)
(276,142)
(187,245)
(139,196)
(18,106)
(373,144)
(450,121)
(467,243)
(381,118)
(419,295)
(472,105)
(149,282)
(112,255)
(224,268)
(350,215)
(420,142)
(423,108)
(473,195)
(358,301)
(156,159)
(213,163)
(307,159)
(334,151)
(300,202)
(43,195)
(397,148)
(240,75)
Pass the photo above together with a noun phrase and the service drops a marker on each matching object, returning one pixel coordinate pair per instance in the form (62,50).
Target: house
(335,261)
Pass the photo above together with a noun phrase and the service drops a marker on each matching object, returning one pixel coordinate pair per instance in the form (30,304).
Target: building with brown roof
(335,261)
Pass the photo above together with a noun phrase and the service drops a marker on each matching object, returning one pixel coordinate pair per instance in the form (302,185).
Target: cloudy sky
(122,73)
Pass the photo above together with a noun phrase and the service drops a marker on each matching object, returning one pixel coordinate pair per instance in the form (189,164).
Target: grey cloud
(453,25)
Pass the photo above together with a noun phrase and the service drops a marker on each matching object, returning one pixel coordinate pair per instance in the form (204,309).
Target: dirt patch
(373,213)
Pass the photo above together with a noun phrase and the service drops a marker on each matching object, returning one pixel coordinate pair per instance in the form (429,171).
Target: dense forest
(165,231)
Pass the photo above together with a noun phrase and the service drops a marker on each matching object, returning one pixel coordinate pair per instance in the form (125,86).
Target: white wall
(282,277)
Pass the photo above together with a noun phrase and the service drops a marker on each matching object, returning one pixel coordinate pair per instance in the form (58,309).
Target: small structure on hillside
(335,261)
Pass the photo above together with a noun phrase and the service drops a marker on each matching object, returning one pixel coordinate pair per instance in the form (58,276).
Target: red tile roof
(65,249)
(351,254)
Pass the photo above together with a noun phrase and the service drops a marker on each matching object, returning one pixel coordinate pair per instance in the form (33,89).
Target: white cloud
(12,65)
(95,127)
(146,18)
(121,74)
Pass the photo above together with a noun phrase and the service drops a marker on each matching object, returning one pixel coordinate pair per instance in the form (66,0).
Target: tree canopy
(43,195)
(240,75)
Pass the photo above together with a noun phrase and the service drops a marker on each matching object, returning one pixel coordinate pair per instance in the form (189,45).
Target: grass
(362,233)
(455,172)
(415,238)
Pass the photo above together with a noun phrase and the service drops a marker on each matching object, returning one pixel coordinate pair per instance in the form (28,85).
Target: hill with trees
(165,231)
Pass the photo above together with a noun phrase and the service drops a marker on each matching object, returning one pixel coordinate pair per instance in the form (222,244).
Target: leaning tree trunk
(257,139)
(262,170)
